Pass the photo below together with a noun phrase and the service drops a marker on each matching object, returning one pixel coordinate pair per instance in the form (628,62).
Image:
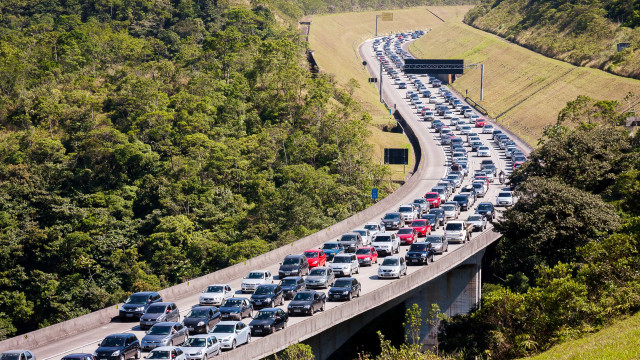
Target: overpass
(459,268)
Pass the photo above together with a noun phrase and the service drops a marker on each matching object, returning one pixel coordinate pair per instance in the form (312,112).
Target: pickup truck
(386,243)
(458,231)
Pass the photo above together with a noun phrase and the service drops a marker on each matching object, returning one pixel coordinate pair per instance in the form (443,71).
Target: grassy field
(619,341)
(340,34)
(529,87)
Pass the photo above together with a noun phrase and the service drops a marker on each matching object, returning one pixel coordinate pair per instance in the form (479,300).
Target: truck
(458,231)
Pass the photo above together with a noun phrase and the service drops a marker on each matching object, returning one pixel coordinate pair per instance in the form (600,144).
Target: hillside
(619,341)
(582,33)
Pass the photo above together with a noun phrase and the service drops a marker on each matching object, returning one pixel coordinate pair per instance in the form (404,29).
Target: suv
(137,304)
(458,231)
(386,243)
(345,265)
(159,312)
(351,241)
(118,347)
(293,265)
(408,212)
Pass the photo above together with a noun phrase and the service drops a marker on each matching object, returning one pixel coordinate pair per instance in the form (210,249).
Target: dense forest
(568,261)
(145,142)
(581,32)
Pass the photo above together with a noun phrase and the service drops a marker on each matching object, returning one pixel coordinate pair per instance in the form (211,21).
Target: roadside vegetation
(143,145)
(582,33)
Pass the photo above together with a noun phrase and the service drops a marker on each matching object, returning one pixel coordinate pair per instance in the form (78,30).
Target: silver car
(320,277)
(505,198)
(439,243)
(201,347)
(479,222)
(392,267)
(17,355)
(164,334)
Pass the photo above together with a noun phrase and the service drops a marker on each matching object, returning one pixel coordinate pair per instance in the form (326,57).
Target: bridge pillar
(456,292)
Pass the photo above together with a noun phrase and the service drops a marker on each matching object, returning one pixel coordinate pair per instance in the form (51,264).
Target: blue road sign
(374,193)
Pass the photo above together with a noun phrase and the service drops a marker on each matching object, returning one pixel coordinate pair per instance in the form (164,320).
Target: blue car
(332,248)
(118,347)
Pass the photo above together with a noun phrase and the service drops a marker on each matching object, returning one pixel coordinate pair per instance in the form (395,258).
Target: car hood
(300,303)
(261,297)
(405,236)
(133,306)
(266,322)
(155,337)
(221,336)
(331,251)
(364,256)
(194,320)
(339,265)
(289,267)
(339,289)
(253,281)
(409,253)
(191,350)
(212,295)
(228,309)
(382,243)
(392,268)
(289,288)
(316,278)
(108,349)
(152,316)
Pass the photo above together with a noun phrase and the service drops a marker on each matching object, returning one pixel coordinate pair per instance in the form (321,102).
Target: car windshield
(484,148)
(504,194)
(256,275)
(112,342)
(311,254)
(405,209)
(342,259)
(290,261)
(265,315)
(195,342)
(382,239)
(433,239)
(371,227)
(474,218)
(348,238)
(419,247)
(158,354)
(264,290)
(365,251)
(429,217)
(331,246)
(289,282)
(418,223)
(201,313)
(460,198)
(9,356)
(214,289)
(390,262)
(454,226)
(484,207)
(405,231)
(391,216)
(431,196)
(233,303)
(418,201)
(448,207)
(303,297)
(342,283)
(318,272)
(156,309)
(477,185)
(224,329)
(135,299)
(160,330)
(436,211)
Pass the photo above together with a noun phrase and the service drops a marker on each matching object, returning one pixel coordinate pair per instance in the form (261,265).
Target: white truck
(458,231)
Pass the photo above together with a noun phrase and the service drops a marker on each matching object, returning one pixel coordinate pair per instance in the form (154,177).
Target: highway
(436,164)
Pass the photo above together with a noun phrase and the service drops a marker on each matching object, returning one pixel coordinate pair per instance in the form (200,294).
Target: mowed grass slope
(529,87)
(335,40)
(619,341)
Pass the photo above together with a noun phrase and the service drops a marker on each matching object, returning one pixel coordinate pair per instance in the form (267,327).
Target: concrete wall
(379,300)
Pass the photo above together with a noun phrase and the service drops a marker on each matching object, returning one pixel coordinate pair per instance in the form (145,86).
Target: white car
(365,234)
(465,130)
(231,334)
(392,267)
(505,198)
(374,228)
(345,264)
(450,211)
(484,151)
(386,243)
(215,294)
(457,231)
(408,212)
(201,347)
(487,129)
(167,353)
(256,278)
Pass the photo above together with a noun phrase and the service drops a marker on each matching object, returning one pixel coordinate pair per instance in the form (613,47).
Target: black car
(307,302)
(463,201)
(118,347)
(439,213)
(293,265)
(291,285)
(267,296)
(486,209)
(345,289)
(236,309)
(79,357)
(420,253)
(267,321)
(201,318)
(137,304)
(432,219)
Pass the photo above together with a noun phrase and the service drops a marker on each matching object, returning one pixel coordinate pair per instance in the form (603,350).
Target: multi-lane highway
(438,159)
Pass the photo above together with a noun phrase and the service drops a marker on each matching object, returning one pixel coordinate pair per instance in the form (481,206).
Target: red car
(315,257)
(423,227)
(367,255)
(481,122)
(433,198)
(407,235)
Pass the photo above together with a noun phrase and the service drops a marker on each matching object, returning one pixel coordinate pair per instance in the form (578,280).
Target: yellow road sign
(387,16)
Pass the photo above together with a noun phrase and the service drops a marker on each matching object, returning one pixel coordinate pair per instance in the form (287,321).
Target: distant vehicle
(125,346)
(236,308)
(201,347)
(367,255)
(307,302)
(22,355)
(392,220)
(478,221)
(386,243)
(351,241)
(167,353)
(291,285)
(486,209)
(481,188)
(422,227)
(408,212)
(432,219)
(164,334)
(320,277)
(484,151)
(345,289)
(438,242)
(267,296)
(215,294)
(231,334)
(200,319)
(463,200)
(256,278)
(422,204)
(450,211)
(365,235)
(440,215)
(505,198)
(268,321)
(331,249)
(458,231)
(345,265)
(137,304)
(487,129)
(293,265)
(159,312)
(407,235)
(374,228)
(481,122)
(433,198)
(315,257)
(392,267)
(420,253)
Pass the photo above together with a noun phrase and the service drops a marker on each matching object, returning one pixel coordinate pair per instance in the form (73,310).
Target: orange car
(315,257)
